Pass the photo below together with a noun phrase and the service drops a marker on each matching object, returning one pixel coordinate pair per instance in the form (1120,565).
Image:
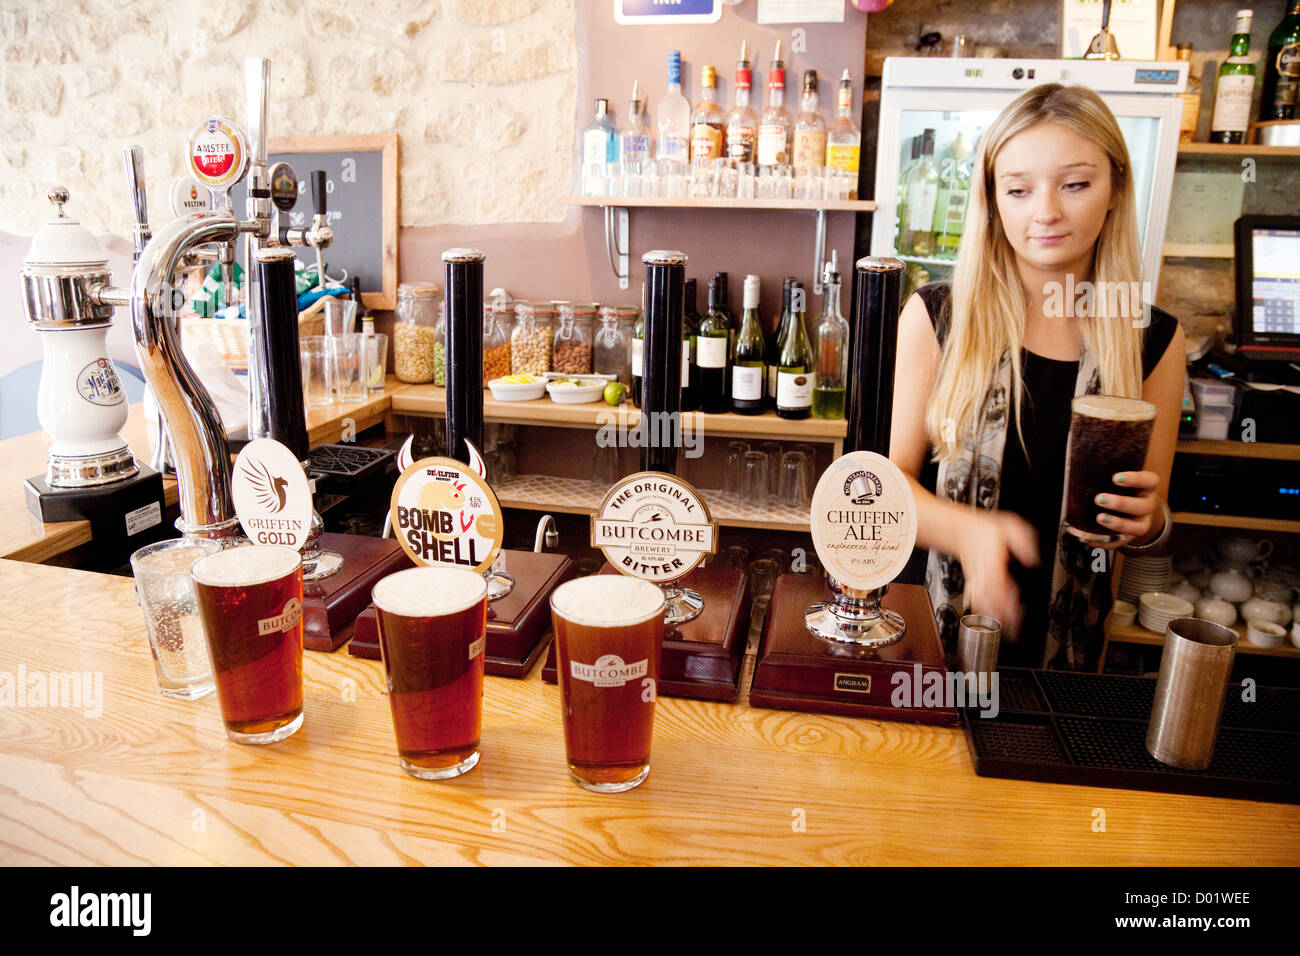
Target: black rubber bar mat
(1090,729)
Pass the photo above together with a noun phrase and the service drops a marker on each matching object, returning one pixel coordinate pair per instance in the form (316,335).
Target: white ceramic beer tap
(81,405)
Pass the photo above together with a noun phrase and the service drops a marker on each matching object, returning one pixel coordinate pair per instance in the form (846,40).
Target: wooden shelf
(1133,634)
(1239,449)
(1266,153)
(1197,250)
(579,496)
(1237,521)
(431,400)
(665,202)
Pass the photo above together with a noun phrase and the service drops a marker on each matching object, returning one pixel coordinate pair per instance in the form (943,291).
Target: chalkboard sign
(361,203)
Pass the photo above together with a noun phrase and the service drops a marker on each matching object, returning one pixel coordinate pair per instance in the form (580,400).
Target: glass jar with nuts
(572,346)
(414,332)
(530,342)
(496,342)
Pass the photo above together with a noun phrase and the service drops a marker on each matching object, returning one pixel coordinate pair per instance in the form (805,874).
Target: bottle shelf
(580,496)
(1267,153)
(1237,521)
(1272,451)
(930,261)
(1135,634)
(711,202)
(431,400)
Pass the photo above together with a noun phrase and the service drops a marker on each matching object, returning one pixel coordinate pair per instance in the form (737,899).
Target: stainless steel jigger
(855,618)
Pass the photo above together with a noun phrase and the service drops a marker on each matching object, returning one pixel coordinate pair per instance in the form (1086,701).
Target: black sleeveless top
(1033,486)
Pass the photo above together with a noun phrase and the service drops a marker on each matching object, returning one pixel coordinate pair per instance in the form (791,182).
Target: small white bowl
(566,393)
(1122,614)
(1265,633)
(504,391)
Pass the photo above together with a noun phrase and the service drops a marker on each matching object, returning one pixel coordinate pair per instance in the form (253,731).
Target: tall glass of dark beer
(1108,434)
(432,635)
(250,600)
(608,633)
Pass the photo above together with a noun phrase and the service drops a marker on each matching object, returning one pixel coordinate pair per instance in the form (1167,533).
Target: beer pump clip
(863,521)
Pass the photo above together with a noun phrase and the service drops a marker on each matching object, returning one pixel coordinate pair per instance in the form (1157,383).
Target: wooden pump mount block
(330,606)
(797,671)
(517,624)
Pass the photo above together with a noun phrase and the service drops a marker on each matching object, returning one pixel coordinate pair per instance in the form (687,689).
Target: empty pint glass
(250,600)
(432,635)
(1108,434)
(608,633)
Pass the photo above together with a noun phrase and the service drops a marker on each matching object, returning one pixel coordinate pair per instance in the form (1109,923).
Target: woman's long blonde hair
(987,305)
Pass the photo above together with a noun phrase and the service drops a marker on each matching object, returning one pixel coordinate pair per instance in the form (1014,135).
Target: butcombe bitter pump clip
(67,287)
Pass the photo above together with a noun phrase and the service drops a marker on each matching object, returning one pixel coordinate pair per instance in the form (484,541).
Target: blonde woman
(1045,304)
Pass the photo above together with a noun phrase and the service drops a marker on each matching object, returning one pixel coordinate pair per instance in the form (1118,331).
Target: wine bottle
(747,369)
(713,353)
(831,343)
(774,345)
(795,375)
(690,329)
(638,353)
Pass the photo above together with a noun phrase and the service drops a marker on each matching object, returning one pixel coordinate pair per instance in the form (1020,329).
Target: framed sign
(654,12)
(361,204)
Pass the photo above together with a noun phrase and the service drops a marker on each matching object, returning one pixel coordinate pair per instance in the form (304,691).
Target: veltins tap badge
(653,526)
(863,520)
(443,513)
(272,497)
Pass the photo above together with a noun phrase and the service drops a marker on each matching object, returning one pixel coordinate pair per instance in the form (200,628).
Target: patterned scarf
(1080,594)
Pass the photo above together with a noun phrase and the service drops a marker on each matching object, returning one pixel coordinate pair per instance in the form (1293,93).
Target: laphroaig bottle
(634,138)
(809,128)
(1191,98)
(902,235)
(831,344)
(713,353)
(795,374)
(747,372)
(706,121)
(774,346)
(844,139)
(1279,96)
(1235,87)
(674,116)
(950,206)
(690,329)
(922,194)
(775,126)
(742,122)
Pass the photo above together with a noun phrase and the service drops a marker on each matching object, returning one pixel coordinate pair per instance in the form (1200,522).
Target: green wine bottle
(747,370)
(1235,87)
(795,375)
(713,355)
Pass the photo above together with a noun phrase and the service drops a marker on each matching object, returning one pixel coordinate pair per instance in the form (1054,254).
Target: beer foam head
(245,566)
(607,600)
(429,592)
(1114,408)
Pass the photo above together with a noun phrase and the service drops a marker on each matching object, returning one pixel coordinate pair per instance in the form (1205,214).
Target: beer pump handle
(134,157)
(257,85)
(318,192)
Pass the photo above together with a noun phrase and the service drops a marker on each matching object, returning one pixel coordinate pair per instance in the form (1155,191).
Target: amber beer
(1108,434)
(432,635)
(250,600)
(608,633)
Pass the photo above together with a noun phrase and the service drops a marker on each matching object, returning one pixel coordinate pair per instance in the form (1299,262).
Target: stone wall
(481,93)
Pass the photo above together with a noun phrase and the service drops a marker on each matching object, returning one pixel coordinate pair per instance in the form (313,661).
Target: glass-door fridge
(933,112)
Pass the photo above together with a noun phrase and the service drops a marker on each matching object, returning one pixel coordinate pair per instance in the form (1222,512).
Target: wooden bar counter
(155,781)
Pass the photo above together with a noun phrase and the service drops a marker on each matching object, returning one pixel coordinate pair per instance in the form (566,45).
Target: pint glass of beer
(1108,434)
(432,635)
(250,601)
(608,633)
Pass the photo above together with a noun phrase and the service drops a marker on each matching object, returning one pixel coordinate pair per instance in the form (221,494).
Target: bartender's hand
(986,544)
(1133,514)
